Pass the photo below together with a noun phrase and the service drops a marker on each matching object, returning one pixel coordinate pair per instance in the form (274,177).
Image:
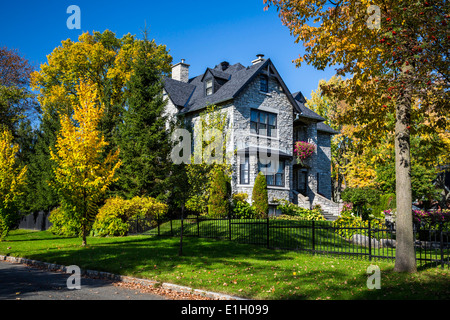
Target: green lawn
(223,266)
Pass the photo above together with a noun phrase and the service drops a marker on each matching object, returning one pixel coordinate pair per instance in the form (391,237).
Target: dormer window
(264,83)
(209,87)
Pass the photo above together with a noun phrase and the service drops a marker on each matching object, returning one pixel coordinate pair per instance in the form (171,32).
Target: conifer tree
(144,133)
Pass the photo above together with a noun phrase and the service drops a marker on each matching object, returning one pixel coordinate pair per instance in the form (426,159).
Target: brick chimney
(180,71)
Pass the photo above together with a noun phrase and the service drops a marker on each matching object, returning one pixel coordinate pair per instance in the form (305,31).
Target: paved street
(18,281)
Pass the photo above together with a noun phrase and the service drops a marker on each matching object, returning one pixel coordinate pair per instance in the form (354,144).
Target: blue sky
(202,32)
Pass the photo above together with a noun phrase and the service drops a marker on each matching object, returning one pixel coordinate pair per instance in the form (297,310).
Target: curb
(121,278)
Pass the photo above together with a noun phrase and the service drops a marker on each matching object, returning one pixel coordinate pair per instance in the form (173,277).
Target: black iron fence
(368,241)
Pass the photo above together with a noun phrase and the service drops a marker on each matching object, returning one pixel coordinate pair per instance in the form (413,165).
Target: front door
(301,180)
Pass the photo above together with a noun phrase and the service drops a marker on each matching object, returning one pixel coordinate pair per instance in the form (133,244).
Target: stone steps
(330,216)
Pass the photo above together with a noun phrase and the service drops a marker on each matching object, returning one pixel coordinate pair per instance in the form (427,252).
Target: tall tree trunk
(83,244)
(405,259)
(84,219)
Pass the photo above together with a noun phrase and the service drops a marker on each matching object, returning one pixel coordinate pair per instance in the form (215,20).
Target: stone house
(264,121)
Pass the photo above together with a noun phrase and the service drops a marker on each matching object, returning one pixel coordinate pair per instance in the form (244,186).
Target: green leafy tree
(423,174)
(260,199)
(199,170)
(26,139)
(362,199)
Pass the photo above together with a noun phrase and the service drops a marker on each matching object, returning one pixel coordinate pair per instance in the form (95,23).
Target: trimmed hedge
(219,195)
(260,199)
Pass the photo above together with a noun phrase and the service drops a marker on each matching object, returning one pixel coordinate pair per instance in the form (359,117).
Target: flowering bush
(390,215)
(347,207)
(303,150)
(431,217)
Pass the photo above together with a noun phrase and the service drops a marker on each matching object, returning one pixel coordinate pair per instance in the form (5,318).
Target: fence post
(268,239)
(157,221)
(370,244)
(441,229)
(229,226)
(313,237)
(198,227)
(171,229)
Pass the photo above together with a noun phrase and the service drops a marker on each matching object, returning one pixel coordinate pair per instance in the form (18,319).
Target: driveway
(18,281)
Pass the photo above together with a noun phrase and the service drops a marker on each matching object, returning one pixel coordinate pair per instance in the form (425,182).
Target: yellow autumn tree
(82,173)
(12,179)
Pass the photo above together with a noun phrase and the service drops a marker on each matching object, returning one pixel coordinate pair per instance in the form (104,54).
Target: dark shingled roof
(322,127)
(238,77)
(218,74)
(190,97)
(306,112)
(179,92)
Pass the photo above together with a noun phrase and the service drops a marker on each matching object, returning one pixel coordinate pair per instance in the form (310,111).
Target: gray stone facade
(274,102)
(239,95)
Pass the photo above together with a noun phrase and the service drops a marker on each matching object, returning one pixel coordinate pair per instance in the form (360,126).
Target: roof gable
(216,74)
(178,92)
(191,96)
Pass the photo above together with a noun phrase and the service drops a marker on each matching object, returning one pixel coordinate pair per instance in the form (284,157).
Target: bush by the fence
(63,224)
(243,210)
(113,219)
(431,219)
(347,225)
(288,209)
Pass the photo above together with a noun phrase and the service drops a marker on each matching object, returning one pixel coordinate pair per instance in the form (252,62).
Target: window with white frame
(209,87)
(263,123)
(244,170)
(274,172)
